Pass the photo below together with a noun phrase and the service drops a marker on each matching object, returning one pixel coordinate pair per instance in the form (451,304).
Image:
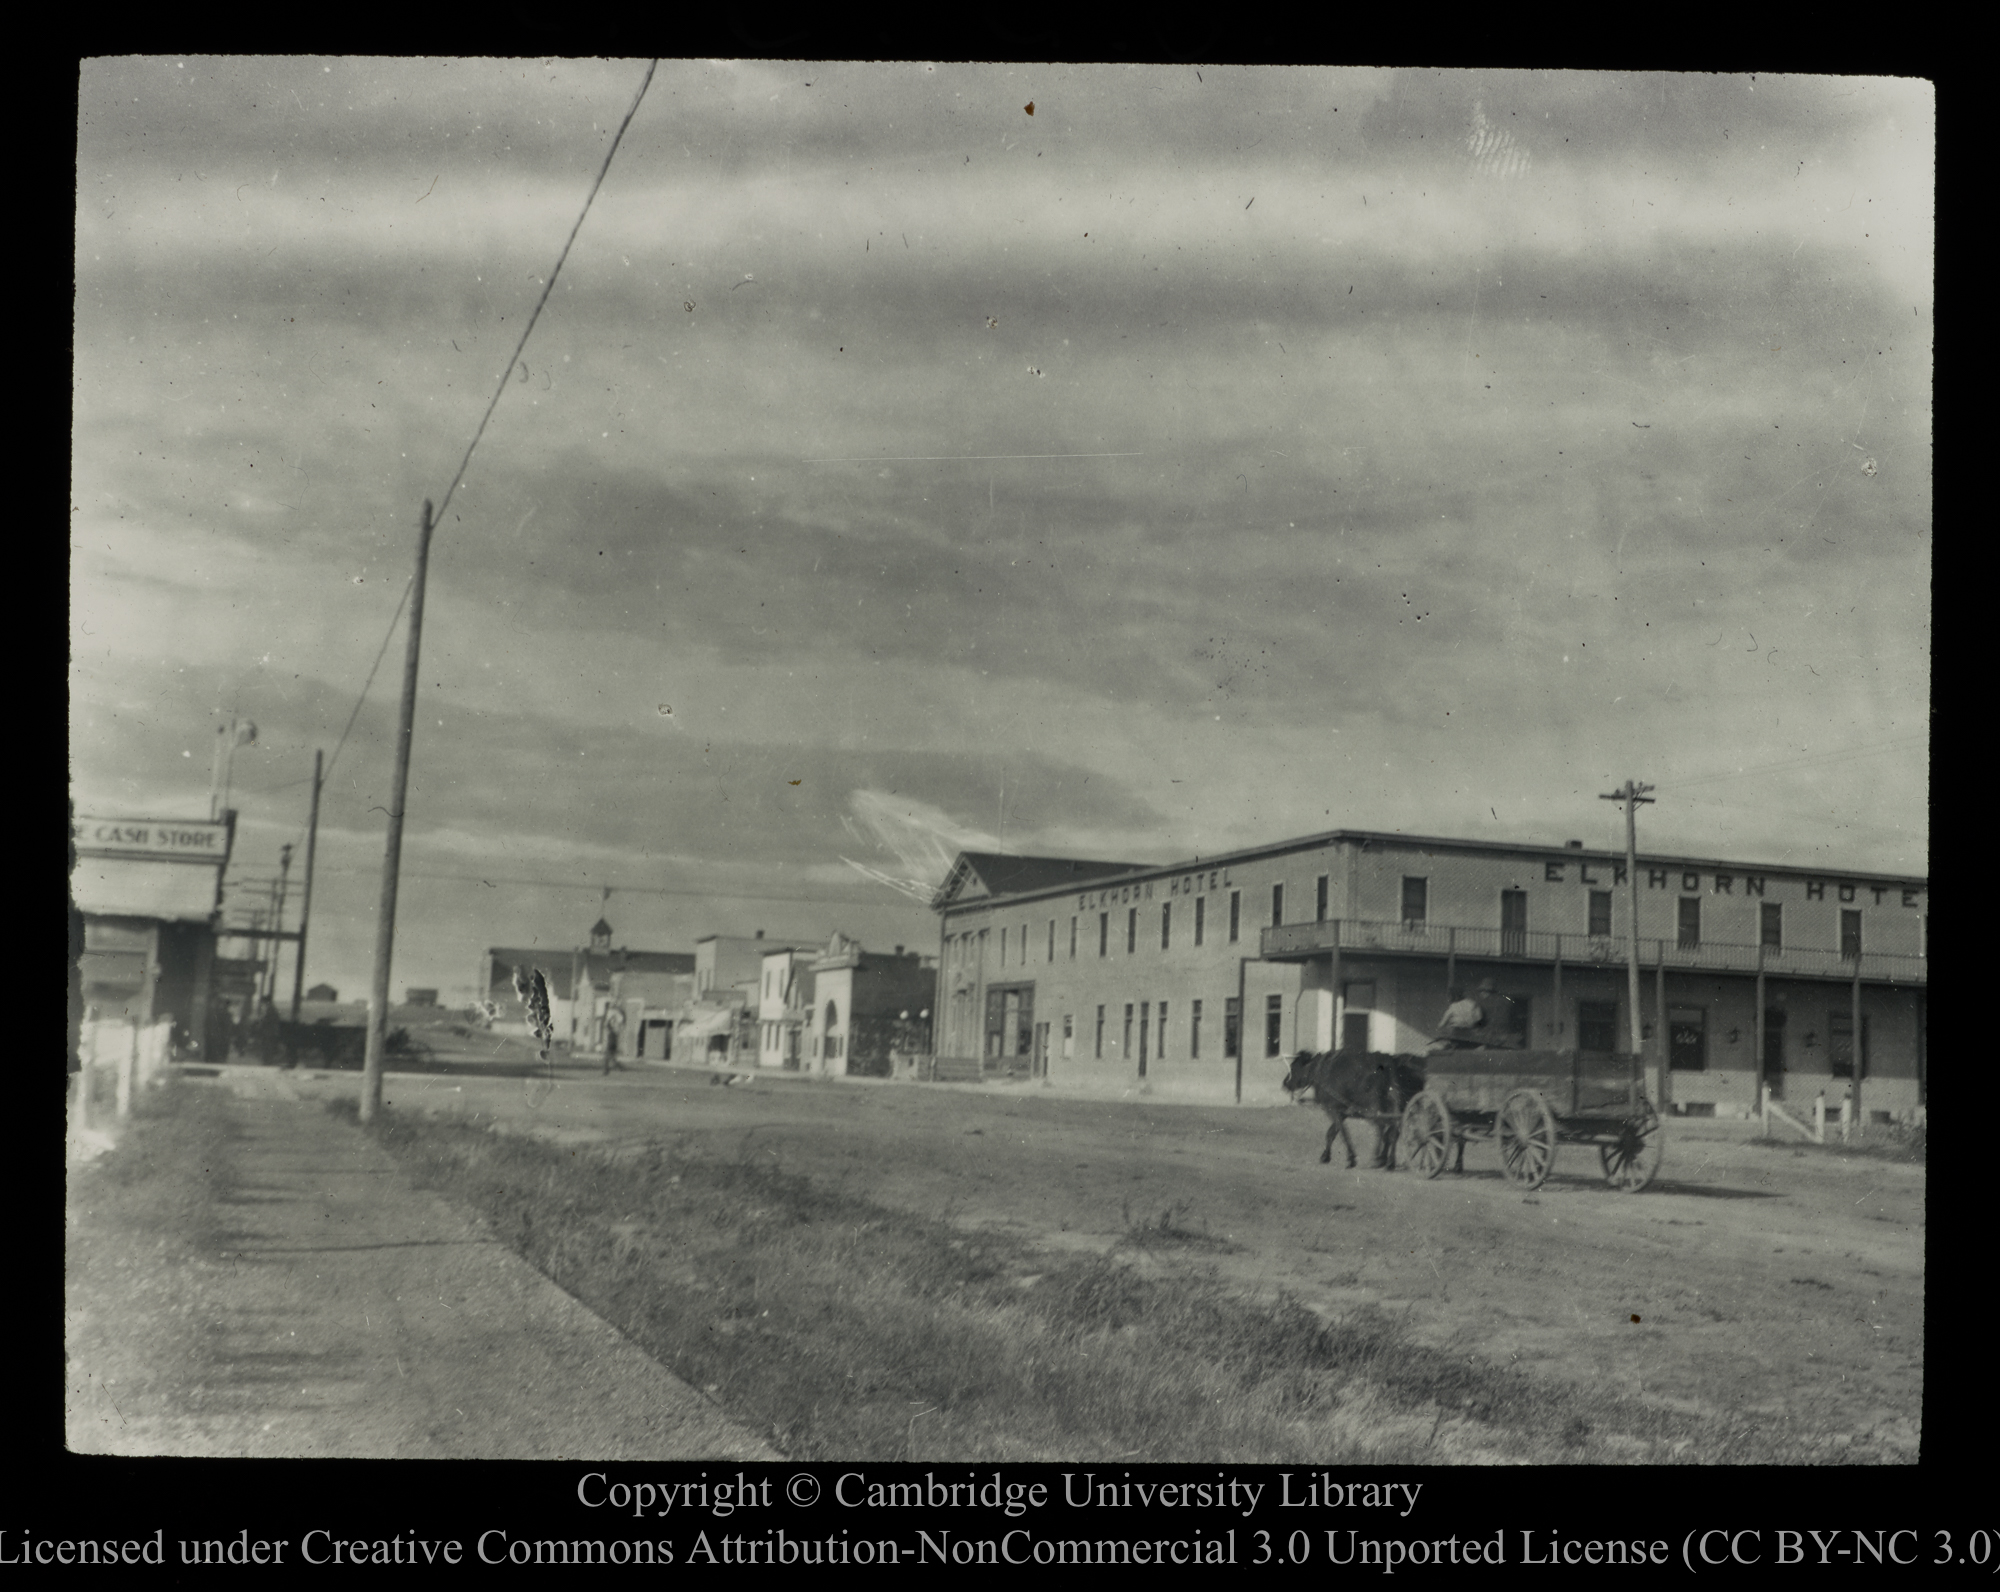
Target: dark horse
(1348,1083)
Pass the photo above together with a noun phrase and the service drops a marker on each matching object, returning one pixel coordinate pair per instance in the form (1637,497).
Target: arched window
(832,1022)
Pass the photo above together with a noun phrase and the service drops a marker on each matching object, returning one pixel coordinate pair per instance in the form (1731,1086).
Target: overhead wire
(547,288)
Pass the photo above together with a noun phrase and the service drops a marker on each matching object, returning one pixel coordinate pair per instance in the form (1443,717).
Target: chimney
(899,950)
(760,932)
(1574,845)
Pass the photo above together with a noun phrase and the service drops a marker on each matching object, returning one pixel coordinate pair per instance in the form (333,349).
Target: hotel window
(1274,1023)
(1277,905)
(1131,931)
(1416,901)
(1232,1027)
(1200,916)
(1600,914)
(1162,1038)
(1072,939)
(1771,925)
(1235,913)
(1166,925)
(1128,1029)
(1319,907)
(1690,921)
(1052,939)
(1003,947)
(1069,1036)
(1145,1022)
(1097,1048)
(1850,935)
(1194,1031)
(1024,945)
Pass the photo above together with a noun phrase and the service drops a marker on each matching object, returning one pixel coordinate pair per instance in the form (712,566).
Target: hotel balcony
(1299,942)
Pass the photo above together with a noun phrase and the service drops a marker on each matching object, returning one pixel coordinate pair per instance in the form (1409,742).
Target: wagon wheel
(1426,1135)
(1527,1134)
(1633,1160)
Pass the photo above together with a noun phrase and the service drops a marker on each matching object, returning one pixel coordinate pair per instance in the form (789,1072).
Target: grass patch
(168,1173)
(843,1330)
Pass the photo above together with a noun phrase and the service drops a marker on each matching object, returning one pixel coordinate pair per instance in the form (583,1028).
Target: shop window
(1687,1038)
(1274,1023)
(1232,1028)
(1597,1025)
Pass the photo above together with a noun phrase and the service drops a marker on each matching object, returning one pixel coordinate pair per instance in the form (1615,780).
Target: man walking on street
(614,1022)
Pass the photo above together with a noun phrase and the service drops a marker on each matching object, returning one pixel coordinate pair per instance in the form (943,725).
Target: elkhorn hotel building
(1202,978)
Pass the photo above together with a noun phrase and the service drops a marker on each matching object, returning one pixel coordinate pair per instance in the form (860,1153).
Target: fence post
(1819,1117)
(1846,1118)
(128,1064)
(1764,1106)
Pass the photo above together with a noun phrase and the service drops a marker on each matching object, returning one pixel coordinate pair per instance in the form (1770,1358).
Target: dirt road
(1748,1278)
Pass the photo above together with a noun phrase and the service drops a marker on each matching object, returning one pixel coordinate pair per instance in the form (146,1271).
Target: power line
(1809,760)
(547,288)
(380,652)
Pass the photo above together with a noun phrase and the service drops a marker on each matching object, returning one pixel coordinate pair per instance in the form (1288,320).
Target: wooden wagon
(1528,1102)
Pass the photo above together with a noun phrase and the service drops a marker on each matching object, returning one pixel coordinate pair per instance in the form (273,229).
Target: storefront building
(149,891)
(1202,978)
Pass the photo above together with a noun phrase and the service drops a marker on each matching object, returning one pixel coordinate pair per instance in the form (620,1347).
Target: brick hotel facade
(1200,978)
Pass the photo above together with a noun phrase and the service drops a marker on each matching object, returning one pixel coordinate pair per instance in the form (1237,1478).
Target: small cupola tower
(600,936)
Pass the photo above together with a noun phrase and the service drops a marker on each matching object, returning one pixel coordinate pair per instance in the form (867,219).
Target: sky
(1134,463)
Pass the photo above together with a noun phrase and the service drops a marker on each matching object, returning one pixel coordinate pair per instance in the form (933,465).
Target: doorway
(1513,923)
(1774,1050)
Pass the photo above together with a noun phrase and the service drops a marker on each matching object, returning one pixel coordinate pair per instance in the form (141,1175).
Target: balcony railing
(1295,941)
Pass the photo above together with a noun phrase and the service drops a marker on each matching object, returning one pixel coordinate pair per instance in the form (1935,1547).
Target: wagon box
(1527,1102)
(1577,1083)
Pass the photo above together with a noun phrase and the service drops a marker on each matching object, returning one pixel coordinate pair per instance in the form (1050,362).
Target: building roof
(600,965)
(980,874)
(993,873)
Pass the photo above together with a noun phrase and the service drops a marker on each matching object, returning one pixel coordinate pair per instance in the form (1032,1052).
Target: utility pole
(278,945)
(1633,795)
(306,897)
(392,851)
